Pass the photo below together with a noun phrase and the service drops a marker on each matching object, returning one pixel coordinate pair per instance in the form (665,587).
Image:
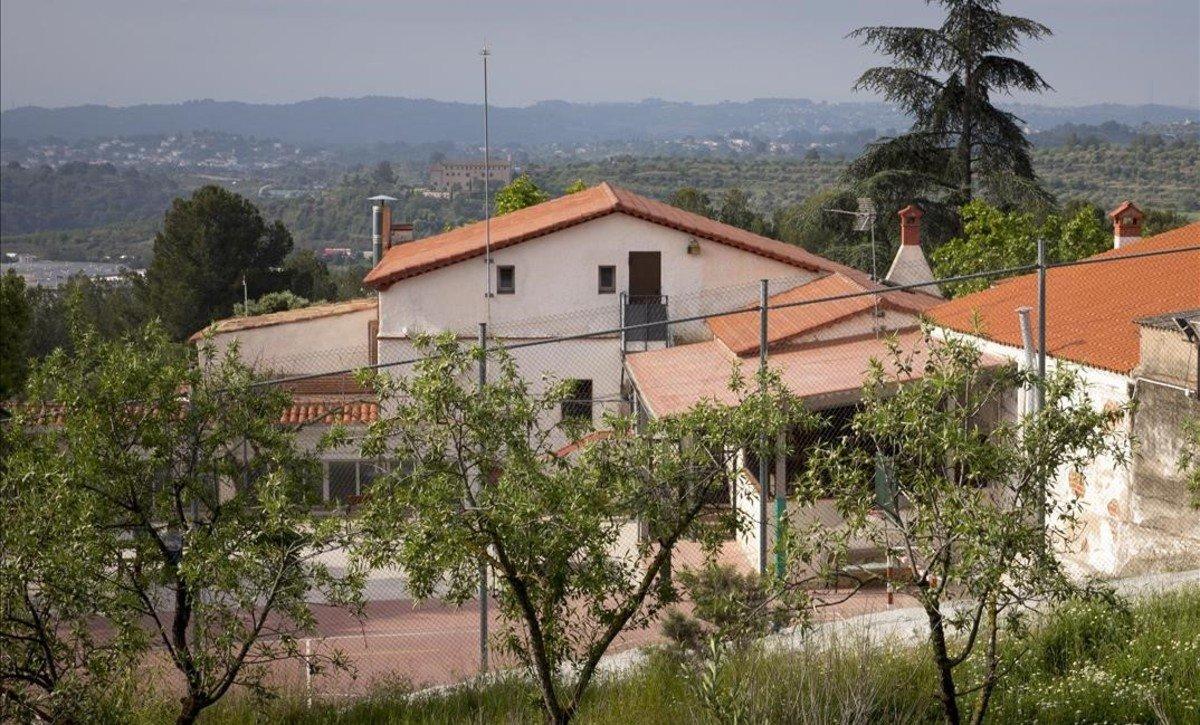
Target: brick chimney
(910,225)
(1127,224)
(910,265)
(402,232)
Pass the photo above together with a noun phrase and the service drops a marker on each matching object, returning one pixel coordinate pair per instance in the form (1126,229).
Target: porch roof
(673,379)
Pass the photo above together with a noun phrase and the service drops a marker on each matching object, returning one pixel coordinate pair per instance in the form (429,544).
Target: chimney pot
(910,225)
(1127,224)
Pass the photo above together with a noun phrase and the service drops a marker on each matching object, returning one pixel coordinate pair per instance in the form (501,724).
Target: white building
(585,262)
(1114,322)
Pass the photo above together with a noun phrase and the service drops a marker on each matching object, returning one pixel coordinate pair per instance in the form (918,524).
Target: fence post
(1041,303)
(1039,400)
(764,471)
(308,672)
(780,500)
(483,572)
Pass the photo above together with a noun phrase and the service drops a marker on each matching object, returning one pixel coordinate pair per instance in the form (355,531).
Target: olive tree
(481,479)
(965,495)
(186,513)
(54,664)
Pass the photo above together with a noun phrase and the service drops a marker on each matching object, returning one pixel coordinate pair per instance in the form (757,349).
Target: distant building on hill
(465,175)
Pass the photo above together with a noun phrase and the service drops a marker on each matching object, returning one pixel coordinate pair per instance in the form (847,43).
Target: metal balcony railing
(643,309)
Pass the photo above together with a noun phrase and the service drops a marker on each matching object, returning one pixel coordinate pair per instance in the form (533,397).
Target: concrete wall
(1124,511)
(336,342)
(1169,529)
(746,499)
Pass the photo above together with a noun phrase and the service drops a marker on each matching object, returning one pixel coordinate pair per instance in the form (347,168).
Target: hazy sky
(119,52)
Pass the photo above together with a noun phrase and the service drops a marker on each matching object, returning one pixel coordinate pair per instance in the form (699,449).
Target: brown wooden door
(645,274)
(645,304)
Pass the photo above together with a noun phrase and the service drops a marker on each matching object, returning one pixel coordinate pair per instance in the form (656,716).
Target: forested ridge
(93,211)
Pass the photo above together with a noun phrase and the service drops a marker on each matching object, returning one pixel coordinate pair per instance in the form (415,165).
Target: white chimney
(1127,224)
(910,265)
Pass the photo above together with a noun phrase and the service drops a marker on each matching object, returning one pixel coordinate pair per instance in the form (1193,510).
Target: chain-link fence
(654,357)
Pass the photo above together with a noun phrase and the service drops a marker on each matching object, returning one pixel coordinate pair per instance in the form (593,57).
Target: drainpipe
(1028,401)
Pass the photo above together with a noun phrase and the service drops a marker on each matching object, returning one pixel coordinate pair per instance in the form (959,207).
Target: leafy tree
(967,498)
(1158,221)
(111,308)
(209,243)
(309,277)
(383,175)
(576,186)
(815,225)
(994,239)
(483,482)
(348,282)
(55,551)
(518,194)
(960,144)
(196,508)
(689,198)
(271,302)
(735,209)
(14,340)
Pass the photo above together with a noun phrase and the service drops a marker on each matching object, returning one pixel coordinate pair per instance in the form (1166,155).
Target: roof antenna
(864,220)
(487,196)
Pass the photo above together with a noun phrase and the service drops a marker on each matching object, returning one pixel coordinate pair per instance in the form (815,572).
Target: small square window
(506,279)
(578,404)
(607,279)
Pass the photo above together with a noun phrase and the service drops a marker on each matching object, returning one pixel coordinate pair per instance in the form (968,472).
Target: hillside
(383,119)
(98,211)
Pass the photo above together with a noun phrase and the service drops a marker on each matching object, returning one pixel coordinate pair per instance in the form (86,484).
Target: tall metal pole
(764,471)
(780,500)
(487,193)
(1041,303)
(483,569)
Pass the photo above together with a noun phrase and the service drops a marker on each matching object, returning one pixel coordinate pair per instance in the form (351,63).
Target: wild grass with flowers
(1084,663)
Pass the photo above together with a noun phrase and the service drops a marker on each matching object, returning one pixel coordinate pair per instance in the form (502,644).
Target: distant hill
(383,119)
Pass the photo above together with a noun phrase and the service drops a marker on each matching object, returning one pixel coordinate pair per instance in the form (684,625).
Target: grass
(1086,663)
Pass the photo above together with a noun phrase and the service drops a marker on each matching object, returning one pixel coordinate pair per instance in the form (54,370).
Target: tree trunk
(947,692)
(991,665)
(189,710)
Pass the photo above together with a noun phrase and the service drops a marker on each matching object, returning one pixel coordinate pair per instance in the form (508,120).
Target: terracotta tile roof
(414,258)
(1091,310)
(312,312)
(328,410)
(331,411)
(584,442)
(740,331)
(673,379)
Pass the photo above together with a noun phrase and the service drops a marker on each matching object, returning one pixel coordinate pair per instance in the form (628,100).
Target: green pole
(780,510)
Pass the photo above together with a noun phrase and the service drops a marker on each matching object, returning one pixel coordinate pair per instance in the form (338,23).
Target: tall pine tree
(961,145)
(211,242)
